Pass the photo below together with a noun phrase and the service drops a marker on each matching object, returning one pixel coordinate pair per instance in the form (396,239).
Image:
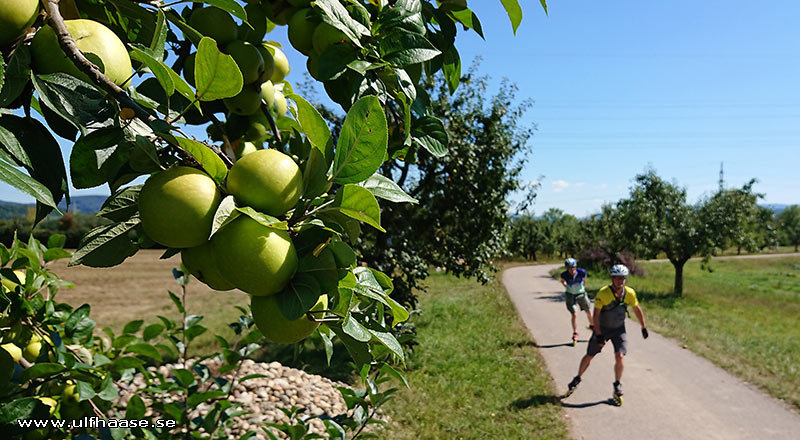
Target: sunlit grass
(475,373)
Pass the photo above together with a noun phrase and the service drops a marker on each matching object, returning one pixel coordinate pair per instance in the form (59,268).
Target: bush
(599,259)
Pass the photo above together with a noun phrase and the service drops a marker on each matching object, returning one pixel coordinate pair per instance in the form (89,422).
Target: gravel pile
(283,387)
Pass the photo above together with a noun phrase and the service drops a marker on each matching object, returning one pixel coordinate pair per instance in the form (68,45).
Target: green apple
(215,23)
(299,3)
(98,43)
(248,59)
(268,93)
(269,63)
(267,180)
(32,350)
(247,102)
(50,402)
(201,263)
(255,258)
(278,11)
(13,350)
(177,207)
(275,327)
(258,127)
(245,148)
(325,35)
(280,107)
(301,28)
(281,63)
(15,17)
(258,21)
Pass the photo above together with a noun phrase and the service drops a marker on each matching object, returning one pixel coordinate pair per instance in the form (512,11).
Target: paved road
(670,393)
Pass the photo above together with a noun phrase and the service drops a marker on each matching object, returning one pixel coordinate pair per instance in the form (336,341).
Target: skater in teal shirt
(573,280)
(610,310)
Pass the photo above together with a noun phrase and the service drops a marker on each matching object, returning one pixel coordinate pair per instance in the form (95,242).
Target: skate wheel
(574,342)
(617,400)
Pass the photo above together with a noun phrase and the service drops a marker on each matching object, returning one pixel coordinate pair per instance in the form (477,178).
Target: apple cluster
(16,16)
(263,65)
(177,208)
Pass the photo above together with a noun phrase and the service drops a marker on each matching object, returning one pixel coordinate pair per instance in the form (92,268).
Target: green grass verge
(743,316)
(475,373)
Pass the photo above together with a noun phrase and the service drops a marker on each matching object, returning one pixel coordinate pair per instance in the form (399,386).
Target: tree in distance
(248,59)
(325,35)
(177,207)
(255,258)
(281,63)
(267,180)
(15,17)
(301,29)
(276,328)
(98,43)
(245,103)
(215,23)
(202,264)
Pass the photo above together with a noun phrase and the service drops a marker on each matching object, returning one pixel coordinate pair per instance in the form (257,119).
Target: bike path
(670,393)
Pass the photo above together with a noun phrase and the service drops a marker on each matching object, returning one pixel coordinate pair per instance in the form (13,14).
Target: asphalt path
(670,393)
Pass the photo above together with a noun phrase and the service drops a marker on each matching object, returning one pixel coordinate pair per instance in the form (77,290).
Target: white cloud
(560,185)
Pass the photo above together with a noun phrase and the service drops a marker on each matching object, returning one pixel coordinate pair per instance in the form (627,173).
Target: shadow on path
(538,400)
(608,402)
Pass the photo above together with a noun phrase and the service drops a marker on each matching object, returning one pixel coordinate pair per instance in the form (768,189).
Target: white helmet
(569,262)
(619,270)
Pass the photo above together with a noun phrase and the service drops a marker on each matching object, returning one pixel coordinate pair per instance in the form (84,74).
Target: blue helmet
(570,262)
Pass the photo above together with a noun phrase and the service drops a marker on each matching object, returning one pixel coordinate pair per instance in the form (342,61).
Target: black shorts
(617,336)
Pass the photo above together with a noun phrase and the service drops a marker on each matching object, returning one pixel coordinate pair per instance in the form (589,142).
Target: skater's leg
(618,365)
(589,317)
(585,361)
(574,322)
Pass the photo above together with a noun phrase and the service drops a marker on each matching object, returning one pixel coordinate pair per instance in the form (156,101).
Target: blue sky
(679,86)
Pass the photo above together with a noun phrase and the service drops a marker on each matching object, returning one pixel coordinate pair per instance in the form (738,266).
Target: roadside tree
(789,222)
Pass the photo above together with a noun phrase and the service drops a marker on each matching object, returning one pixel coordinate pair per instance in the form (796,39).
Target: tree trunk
(739,250)
(678,265)
(534,255)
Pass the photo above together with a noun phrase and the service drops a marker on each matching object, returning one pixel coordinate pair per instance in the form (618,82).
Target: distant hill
(776,207)
(78,204)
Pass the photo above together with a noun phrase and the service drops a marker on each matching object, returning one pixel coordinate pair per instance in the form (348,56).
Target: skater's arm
(639,315)
(596,321)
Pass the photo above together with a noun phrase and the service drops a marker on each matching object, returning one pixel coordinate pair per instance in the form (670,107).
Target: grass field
(744,316)
(475,373)
(137,289)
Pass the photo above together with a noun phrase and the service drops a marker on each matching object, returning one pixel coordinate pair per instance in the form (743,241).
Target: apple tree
(243,178)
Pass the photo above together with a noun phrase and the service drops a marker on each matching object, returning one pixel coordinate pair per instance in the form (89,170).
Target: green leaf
(337,16)
(152,331)
(135,409)
(56,241)
(429,132)
(133,326)
(74,100)
(362,142)
(17,75)
(126,362)
(386,338)
(230,6)
(452,68)
(544,6)
(314,127)
(358,202)
(185,377)
(388,369)
(355,329)
(106,246)
(359,351)
(75,318)
(298,296)
(514,12)
(194,331)
(26,184)
(198,398)
(146,350)
(226,213)
(85,391)
(315,175)
(403,48)
(108,391)
(98,157)
(42,369)
(159,69)
(56,254)
(386,189)
(25,408)
(159,41)
(265,219)
(468,18)
(41,157)
(121,205)
(178,302)
(212,164)
(216,74)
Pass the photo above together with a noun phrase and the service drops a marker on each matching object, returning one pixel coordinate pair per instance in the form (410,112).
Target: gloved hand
(645,334)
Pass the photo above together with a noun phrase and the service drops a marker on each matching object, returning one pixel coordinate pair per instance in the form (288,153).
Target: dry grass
(137,289)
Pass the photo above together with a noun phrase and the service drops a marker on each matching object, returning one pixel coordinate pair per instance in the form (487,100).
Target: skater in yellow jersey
(610,309)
